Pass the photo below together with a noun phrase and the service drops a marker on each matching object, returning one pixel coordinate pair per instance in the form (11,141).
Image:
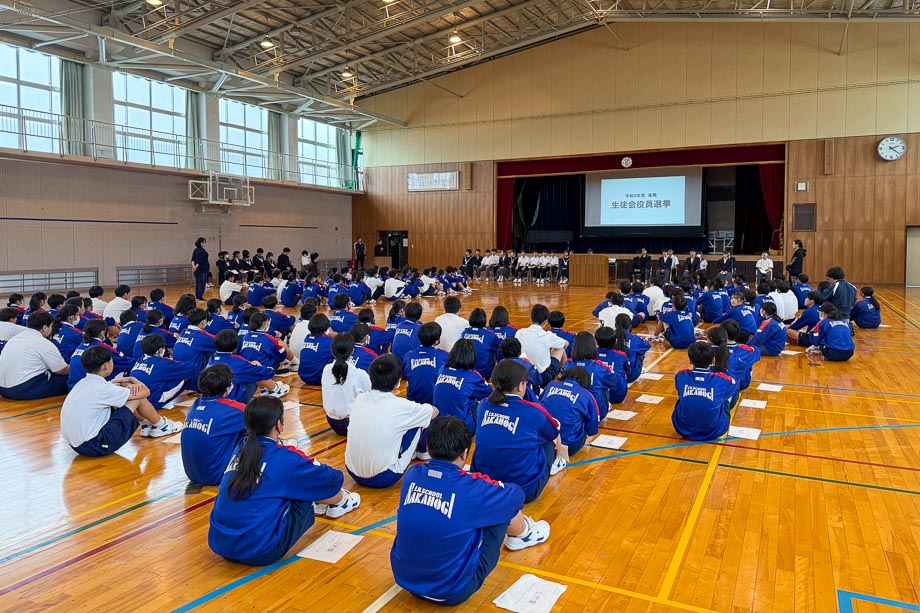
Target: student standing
(200,267)
(703,408)
(31,367)
(342,383)
(360,249)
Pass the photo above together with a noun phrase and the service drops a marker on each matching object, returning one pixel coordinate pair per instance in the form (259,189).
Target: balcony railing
(42,132)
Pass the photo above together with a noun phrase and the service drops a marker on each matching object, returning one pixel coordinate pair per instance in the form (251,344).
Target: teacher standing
(797,260)
(200,267)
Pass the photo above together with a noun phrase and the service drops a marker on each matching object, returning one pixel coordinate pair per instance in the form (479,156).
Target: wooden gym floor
(820,514)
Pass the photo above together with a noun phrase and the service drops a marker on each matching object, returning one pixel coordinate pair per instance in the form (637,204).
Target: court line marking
(899,312)
(27,413)
(846,598)
(386,597)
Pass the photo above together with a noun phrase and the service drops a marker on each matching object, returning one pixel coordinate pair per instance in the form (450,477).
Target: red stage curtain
(772,179)
(504,214)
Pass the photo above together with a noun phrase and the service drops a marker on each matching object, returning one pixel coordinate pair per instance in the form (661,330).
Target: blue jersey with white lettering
(618,362)
(195,346)
(405,338)
(574,408)
(380,339)
(362,357)
(566,336)
(359,293)
(256,293)
(832,334)
(603,381)
(439,524)
(263,348)
(314,290)
(163,308)
(213,429)
(743,314)
(315,355)
(807,319)
(87,316)
(458,392)
(421,368)
(503,332)
(741,363)
(711,305)
(291,294)
(680,331)
(391,325)
(235,317)
(279,322)
(244,372)
(771,337)
(219,323)
(179,323)
(703,408)
(342,320)
(801,290)
(534,380)
(510,439)
(67,340)
(758,302)
(164,377)
(123,363)
(127,336)
(486,348)
(168,337)
(865,315)
(254,526)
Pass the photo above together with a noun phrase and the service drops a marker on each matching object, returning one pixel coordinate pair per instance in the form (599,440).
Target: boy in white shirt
(98,304)
(764,268)
(543,348)
(8,326)
(384,430)
(655,298)
(452,325)
(114,309)
(230,289)
(31,366)
(374,282)
(393,288)
(608,316)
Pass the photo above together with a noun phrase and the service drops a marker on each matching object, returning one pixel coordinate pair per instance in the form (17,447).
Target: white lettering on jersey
(500,419)
(690,390)
(430,498)
(450,380)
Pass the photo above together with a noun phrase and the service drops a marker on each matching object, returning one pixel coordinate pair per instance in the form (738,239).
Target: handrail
(40,131)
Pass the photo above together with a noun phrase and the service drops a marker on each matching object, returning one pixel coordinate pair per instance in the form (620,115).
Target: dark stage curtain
(753,231)
(772,180)
(504,222)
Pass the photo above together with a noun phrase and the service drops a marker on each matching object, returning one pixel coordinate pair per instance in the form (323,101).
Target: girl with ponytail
(64,334)
(154,323)
(831,336)
(867,312)
(606,385)
(635,347)
(743,357)
(342,382)
(396,314)
(704,397)
(270,493)
(771,335)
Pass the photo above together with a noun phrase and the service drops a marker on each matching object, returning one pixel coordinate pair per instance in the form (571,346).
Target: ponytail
(869,293)
(343,346)
(770,309)
(64,313)
(395,310)
(260,417)
(622,325)
(151,319)
(718,338)
(93,329)
(507,375)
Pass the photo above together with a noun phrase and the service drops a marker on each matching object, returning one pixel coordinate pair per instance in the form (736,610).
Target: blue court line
(115,221)
(845,601)
(258,225)
(57,406)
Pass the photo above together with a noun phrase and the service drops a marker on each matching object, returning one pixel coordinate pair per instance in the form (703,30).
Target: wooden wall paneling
(889,199)
(912,205)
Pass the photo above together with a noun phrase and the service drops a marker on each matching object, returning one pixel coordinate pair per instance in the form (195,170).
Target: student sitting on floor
(128,330)
(797,331)
(267,493)
(676,325)
(421,366)
(9,328)
(363,356)
(66,337)
(771,337)
(37,302)
(384,430)
(55,302)
(231,288)
(393,288)
(608,315)
(341,319)
(556,321)
(235,314)
(460,387)
(179,322)
(302,328)
(543,348)
(443,555)
(611,345)
(195,345)
(742,357)
(260,345)
(316,352)
(510,349)
(154,324)
(742,313)
(139,306)
(213,428)
(94,334)
(380,338)
(156,302)
(604,382)
(499,323)
(164,377)
(98,416)
(831,336)
(248,376)
(258,290)
(635,347)
(216,320)
(867,312)
(801,289)
(342,383)
(118,305)
(703,408)
(98,304)
(516,441)
(278,322)
(31,367)
(484,340)
(574,407)
(292,292)
(405,337)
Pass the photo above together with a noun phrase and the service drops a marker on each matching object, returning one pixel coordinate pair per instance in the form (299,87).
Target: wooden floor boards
(818,514)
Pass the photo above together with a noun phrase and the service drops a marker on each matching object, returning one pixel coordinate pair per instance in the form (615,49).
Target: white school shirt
(227,288)
(276,283)
(536,344)
(426,282)
(8,330)
(280,287)
(764,266)
(608,316)
(339,400)
(99,306)
(379,420)
(116,308)
(27,355)
(782,306)
(305,260)
(655,298)
(298,335)
(88,407)
(792,304)
(554,261)
(452,327)
(393,288)
(373,283)
(703,264)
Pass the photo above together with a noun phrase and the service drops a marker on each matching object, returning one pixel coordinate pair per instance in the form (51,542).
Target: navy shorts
(113,435)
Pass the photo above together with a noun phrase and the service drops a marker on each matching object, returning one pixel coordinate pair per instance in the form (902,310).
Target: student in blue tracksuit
(154,324)
(358,292)
(867,312)
(195,345)
(292,292)
(235,314)
(832,336)
(460,387)
(635,347)
(216,320)
(484,340)
(603,304)
(741,358)
(510,349)
(260,345)
(129,328)
(725,361)
(139,306)
(574,407)
(556,321)
(604,382)
(313,289)
(516,441)
(421,366)
(259,289)
(156,302)
(165,378)
(611,345)
(840,293)
(179,321)
(380,338)
(797,331)
(742,313)
(771,337)
(405,337)
(499,324)
(763,291)
(362,356)
(801,289)
(65,335)
(248,376)
(703,408)
(396,315)
(341,319)
(278,322)
(266,498)
(213,428)
(451,523)
(677,325)
(94,333)
(710,303)
(316,352)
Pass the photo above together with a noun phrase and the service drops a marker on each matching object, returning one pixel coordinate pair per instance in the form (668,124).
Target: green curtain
(343,158)
(72,138)
(193,145)
(275,163)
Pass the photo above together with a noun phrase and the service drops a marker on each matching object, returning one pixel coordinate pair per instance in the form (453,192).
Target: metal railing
(42,132)
(44,280)
(137,276)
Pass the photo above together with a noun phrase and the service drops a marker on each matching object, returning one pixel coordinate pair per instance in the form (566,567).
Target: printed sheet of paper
(651,376)
(649,399)
(769,387)
(530,594)
(621,415)
(788,352)
(751,434)
(291,404)
(331,546)
(754,404)
(609,442)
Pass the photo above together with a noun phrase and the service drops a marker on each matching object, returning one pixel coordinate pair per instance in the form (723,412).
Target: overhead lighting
(455,38)
(266,42)
(389,1)
(347,73)
(155,3)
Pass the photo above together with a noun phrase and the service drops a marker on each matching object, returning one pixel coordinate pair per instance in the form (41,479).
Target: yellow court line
(695,511)
(897,310)
(109,504)
(904,298)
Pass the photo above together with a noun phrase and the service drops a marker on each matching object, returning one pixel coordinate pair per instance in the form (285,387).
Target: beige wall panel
(913,106)
(725,60)
(450,144)
(832,68)
(625,130)
(485,133)
(466,80)
(650,58)
(24,240)
(521,94)
(541,72)
(698,124)
(861,52)
(399,104)
(467,151)
(583,74)
(673,127)
(501,88)
(604,79)
(894,48)
(433,153)
(540,134)
(777,54)
(400,146)
(435,99)
(582,135)
(501,140)
(723,128)
(484,92)
(649,123)
(415,97)
(561,80)
(520,138)
(602,132)
(891,109)
(776,118)
(750,121)
(803,116)
(832,115)
(416,146)
(372,143)
(22,188)
(673,62)
(861,111)
(450,111)
(804,39)
(627,66)
(699,71)
(58,238)
(561,135)
(751,58)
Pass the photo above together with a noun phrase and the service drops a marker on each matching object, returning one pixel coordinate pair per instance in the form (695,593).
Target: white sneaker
(424,456)
(320,509)
(281,389)
(145,427)
(537,532)
(166,427)
(558,466)
(350,502)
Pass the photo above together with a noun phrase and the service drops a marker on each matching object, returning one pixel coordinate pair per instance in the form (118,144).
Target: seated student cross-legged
(342,383)
(384,430)
(316,351)
(831,336)
(459,387)
(195,345)
(451,524)
(363,356)
(98,417)
(248,376)
(31,367)
(262,346)
(421,367)
(574,407)
(94,334)
(771,335)
(164,377)
(270,493)
(704,397)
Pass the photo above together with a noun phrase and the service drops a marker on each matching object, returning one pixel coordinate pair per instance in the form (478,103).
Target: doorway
(912,266)
(396,243)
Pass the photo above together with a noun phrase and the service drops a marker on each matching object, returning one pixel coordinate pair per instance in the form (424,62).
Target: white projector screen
(661,197)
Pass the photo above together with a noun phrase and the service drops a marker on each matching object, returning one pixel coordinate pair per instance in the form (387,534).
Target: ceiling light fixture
(155,3)
(266,43)
(455,38)
(347,73)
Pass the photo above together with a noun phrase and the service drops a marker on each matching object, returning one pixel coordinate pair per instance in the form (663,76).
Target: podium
(383,260)
(590,270)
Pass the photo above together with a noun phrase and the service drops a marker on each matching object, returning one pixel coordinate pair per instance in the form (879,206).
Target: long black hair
(463,355)
(499,317)
(152,319)
(869,293)
(343,346)
(718,338)
(395,310)
(584,347)
(35,302)
(507,375)
(260,417)
(64,313)
(622,325)
(185,303)
(770,309)
(92,329)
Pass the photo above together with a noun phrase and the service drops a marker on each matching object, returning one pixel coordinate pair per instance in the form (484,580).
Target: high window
(149,119)
(243,139)
(30,96)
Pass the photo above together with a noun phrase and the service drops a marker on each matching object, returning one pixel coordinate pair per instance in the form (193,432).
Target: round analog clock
(626,162)
(892,148)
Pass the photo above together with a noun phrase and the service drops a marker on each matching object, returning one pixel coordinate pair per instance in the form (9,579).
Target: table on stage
(589,269)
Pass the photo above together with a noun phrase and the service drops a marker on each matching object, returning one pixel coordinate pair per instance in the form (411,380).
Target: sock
(160,423)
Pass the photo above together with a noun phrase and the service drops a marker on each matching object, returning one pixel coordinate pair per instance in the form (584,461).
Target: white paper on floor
(621,415)
(609,442)
(884,326)
(530,594)
(331,546)
(788,352)
(649,399)
(754,404)
(751,434)
(187,402)
(291,404)
(651,376)
(769,387)
(174,440)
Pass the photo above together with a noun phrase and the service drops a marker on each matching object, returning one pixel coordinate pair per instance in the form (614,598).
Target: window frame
(171,144)
(253,161)
(47,118)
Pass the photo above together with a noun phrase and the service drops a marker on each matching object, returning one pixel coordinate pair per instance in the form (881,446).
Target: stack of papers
(530,594)
(751,434)
(609,442)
